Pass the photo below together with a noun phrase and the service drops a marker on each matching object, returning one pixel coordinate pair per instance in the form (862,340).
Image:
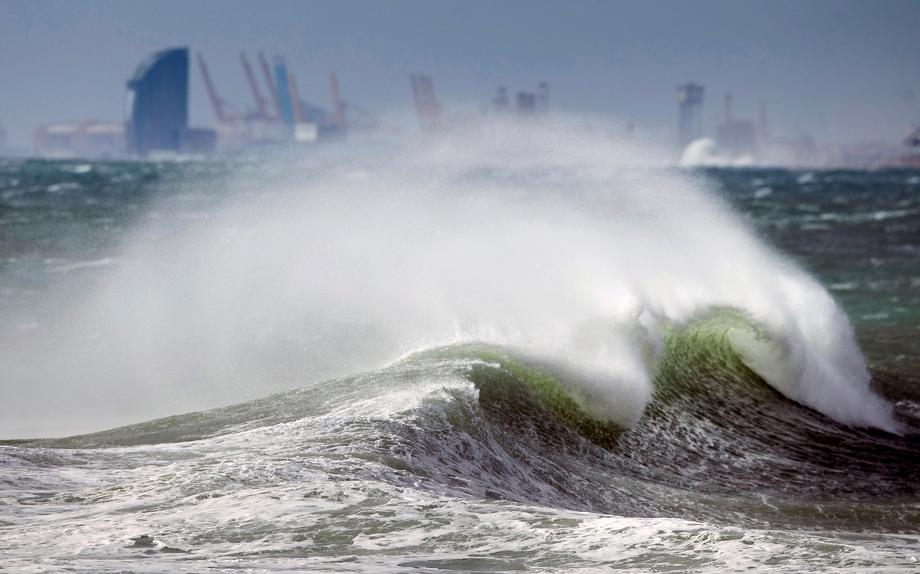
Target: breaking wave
(567,245)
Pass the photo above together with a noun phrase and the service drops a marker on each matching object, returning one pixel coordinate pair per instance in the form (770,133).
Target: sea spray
(566,243)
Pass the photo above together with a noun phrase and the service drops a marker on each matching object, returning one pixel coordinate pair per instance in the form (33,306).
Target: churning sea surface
(461,358)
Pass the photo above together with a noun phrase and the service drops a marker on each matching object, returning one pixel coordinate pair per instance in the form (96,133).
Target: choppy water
(701,427)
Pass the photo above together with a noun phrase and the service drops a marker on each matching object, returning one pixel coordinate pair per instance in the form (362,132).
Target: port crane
(267,122)
(261,103)
(349,116)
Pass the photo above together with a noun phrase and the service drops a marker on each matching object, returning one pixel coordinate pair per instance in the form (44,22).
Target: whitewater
(515,346)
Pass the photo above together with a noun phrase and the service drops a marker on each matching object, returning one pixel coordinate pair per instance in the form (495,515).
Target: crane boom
(261,104)
(266,71)
(216,102)
(298,109)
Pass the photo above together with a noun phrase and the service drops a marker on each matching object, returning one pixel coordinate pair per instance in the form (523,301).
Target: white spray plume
(554,239)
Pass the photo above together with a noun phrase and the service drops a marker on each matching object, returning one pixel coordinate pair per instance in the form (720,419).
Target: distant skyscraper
(690,113)
(159,103)
(285,100)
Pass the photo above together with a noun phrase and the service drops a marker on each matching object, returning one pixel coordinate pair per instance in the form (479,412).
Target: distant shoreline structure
(157,123)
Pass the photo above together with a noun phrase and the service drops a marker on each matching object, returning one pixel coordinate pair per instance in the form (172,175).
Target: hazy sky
(841,70)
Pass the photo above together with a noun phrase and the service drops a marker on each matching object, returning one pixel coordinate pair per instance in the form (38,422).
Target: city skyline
(852,67)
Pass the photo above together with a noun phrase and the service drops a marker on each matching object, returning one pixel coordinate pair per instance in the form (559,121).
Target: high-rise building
(286,101)
(690,113)
(158,103)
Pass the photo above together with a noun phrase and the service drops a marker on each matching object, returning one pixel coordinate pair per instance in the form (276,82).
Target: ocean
(478,355)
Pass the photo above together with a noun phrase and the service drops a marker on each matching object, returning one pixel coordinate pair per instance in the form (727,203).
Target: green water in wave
(502,375)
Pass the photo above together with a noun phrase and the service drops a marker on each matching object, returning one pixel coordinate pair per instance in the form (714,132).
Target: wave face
(515,347)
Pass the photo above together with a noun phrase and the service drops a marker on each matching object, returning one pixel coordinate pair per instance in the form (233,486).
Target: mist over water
(571,245)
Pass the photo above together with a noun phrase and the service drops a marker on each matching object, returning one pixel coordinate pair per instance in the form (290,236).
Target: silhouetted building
(690,113)
(525,103)
(158,103)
